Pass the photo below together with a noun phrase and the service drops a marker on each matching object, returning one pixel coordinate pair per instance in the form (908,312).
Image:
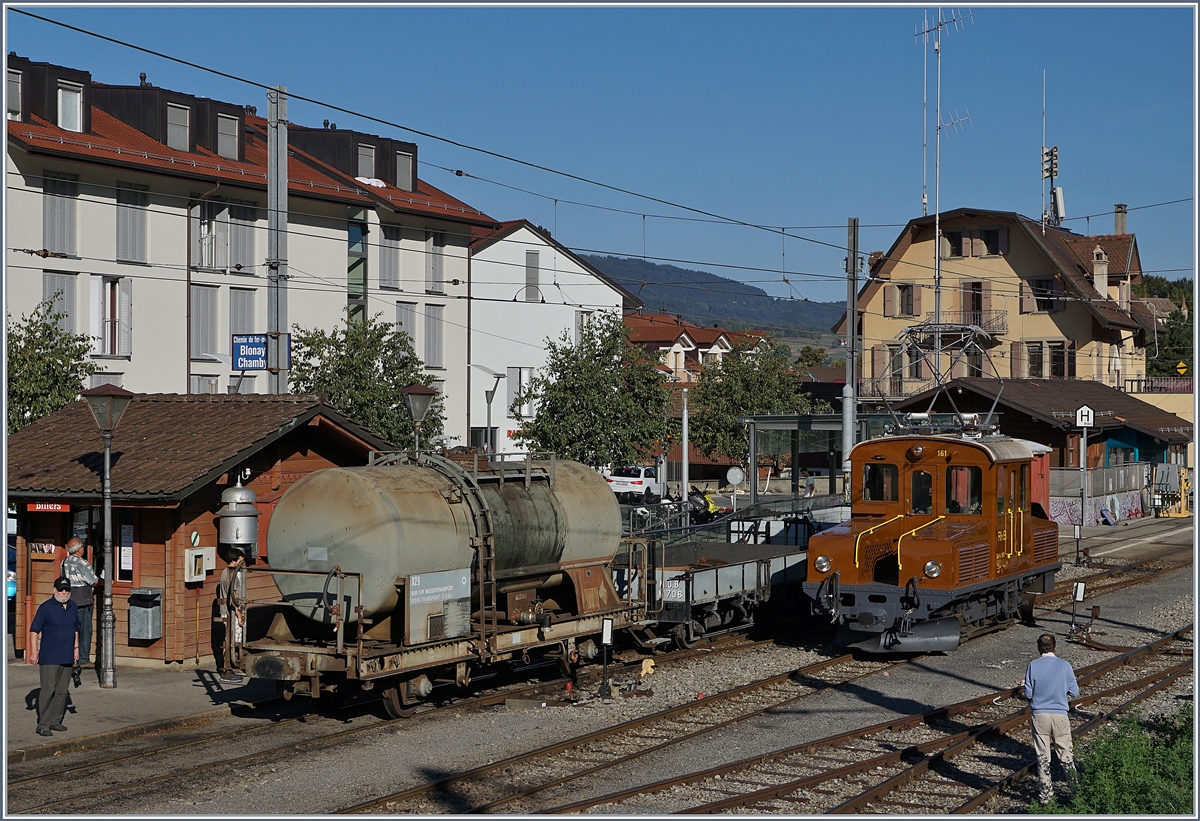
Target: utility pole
(277,228)
(849,402)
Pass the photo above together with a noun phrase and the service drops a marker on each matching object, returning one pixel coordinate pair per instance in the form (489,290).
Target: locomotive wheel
(393,706)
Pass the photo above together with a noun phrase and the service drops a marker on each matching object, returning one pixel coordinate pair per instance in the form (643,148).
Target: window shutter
(406,318)
(986,297)
(1003,240)
(1071,359)
(125,316)
(124,224)
(889,300)
(917,289)
(221,238)
(532,294)
(1015,365)
(878,352)
(944,244)
(64,286)
(1028,303)
(433,336)
(58,212)
(439,261)
(976,242)
(389,257)
(513,386)
(241,236)
(429,266)
(96,313)
(241,311)
(1100,360)
(196,253)
(404,170)
(204,321)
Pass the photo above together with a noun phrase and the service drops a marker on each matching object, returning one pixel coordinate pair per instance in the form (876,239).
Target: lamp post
(107,403)
(490,438)
(418,398)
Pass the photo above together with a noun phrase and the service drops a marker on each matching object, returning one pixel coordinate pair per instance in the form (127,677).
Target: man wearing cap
(83,582)
(54,646)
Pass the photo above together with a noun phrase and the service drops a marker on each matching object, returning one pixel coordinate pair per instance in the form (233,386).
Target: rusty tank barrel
(406,526)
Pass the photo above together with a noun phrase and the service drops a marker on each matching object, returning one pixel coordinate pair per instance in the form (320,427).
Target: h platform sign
(1085,417)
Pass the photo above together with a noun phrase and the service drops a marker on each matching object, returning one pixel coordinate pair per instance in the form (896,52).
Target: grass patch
(1139,766)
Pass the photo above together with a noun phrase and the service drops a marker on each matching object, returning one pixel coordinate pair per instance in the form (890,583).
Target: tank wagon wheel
(683,636)
(393,706)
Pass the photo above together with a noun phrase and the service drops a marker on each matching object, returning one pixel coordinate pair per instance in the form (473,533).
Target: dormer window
(14,95)
(227,137)
(366,161)
(404,171)
(70,106)
(177,127)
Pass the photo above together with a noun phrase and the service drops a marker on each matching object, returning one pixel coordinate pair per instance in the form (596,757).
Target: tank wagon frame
(505,562)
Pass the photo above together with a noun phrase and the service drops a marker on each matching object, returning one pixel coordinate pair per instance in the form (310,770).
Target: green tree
(748,381)
(1173,348)
(811,357)
(46,365)
(360,367)
(598,402)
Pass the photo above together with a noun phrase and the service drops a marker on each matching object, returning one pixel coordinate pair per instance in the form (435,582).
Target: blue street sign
(249,352)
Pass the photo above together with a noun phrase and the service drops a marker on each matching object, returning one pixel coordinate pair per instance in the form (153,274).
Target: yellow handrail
(872,530)
(1021,541)
(899,564)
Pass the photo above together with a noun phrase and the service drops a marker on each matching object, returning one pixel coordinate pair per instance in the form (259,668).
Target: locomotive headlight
(933,569)
(822,564)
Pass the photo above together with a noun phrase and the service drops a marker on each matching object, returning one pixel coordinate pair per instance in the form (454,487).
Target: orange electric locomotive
(945,538)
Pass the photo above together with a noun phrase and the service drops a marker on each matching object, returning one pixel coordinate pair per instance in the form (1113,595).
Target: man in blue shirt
(54,646)
(1048,682)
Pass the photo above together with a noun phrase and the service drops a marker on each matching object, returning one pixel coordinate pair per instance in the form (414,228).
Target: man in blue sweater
(1048,682)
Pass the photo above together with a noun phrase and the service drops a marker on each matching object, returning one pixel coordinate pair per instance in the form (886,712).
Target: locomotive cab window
(964,489)
(879,483)
(921,500)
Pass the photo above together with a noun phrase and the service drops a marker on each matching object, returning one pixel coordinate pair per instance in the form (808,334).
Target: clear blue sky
(798,117)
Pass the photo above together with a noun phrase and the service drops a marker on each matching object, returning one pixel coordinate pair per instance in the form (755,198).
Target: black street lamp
(107,403)
(418,398)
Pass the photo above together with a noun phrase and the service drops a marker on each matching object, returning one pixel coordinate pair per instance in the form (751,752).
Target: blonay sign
(250,352)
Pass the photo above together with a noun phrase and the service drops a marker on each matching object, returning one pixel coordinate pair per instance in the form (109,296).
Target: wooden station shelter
(172,457)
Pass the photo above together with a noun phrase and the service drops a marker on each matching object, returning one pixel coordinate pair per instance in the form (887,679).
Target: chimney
(1100,271)
(1119,212)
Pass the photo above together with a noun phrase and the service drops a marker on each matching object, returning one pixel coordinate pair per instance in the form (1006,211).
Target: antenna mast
(955,19)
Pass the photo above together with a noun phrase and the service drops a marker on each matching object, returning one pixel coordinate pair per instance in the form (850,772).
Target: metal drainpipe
(187,264)
(486,434)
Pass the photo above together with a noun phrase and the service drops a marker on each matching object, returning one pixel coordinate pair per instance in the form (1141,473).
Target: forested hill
(706,299)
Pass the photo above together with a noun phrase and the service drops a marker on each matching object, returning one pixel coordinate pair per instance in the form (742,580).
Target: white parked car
(635,484)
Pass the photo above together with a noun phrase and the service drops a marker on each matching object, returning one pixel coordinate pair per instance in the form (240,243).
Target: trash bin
(145,613)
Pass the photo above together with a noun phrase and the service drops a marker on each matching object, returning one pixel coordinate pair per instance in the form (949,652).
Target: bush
(1140,766)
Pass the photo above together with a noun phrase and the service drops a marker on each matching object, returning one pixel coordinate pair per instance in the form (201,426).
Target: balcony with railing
(893,387)
(991,321)
(1159,384)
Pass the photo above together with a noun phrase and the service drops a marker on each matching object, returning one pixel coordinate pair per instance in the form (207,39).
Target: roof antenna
(956,19)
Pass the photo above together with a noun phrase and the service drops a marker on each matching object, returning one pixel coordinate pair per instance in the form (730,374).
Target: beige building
(1042,303)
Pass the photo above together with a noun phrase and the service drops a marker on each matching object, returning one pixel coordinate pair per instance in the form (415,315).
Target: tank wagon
(415,571)
(945,538)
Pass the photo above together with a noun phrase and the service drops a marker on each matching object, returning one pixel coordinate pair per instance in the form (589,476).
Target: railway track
(511,783)
(1117,577)
(207,750)
(952,760)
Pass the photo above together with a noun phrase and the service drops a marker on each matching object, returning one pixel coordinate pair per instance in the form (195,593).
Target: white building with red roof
(142,212)
(524,287)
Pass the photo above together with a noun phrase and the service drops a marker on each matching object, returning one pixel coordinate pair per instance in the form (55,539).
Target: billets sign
(48,507)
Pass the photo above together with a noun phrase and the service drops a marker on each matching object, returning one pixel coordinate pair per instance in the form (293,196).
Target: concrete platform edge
(50,749)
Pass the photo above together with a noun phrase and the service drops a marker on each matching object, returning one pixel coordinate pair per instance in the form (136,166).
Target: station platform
(144,700)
